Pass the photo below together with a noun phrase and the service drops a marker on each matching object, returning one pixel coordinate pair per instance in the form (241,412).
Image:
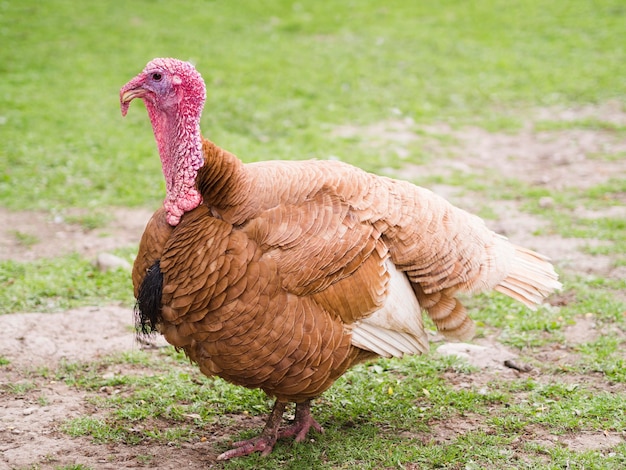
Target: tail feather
(531,279)
(387,342)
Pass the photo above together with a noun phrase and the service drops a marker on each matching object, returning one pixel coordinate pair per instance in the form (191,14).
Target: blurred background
(281,75)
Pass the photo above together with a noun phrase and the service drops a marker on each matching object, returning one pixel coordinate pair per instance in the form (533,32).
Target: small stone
(29,411)
(108,262)
(546,202)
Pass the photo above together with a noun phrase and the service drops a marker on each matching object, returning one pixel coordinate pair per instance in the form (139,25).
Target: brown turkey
(281,275)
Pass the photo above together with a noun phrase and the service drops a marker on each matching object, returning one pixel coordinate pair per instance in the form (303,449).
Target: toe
(243,448)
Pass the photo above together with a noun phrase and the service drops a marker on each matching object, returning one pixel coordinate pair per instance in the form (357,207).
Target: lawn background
(279,74)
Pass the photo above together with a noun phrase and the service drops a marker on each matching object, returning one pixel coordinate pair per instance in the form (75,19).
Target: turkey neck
(224,183)
(180,149)
(196,170)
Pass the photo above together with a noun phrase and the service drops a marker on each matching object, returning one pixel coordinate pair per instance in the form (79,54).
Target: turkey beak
(130,91)
(127,96)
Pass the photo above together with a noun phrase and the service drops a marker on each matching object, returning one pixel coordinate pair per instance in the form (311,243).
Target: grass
(279,77)
(19,388)
(58,284)
(25,239)
(282,76)
(374,417)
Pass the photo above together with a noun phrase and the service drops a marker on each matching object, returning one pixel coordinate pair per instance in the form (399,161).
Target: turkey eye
(157,77)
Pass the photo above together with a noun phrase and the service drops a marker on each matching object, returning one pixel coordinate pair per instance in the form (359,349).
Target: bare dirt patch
(83,334)
(611,112)
(560,159)
(567,158)
(30,420)
(33,407)
(31,235)
(583,330)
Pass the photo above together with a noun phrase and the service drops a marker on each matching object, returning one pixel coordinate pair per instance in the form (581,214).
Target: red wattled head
(166,85)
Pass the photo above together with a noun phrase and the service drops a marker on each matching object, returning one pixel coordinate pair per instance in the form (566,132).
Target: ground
(29,434)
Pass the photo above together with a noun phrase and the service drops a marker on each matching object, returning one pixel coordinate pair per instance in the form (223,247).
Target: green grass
(59,283)
(19,388)
(280,76)
(374,417)
(25,239)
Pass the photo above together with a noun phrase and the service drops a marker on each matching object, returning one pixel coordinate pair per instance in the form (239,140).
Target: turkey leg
(264,443)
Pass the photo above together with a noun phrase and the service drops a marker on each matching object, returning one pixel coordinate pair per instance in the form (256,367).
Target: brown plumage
(282,275)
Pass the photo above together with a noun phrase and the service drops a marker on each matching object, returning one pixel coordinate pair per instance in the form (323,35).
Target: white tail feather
(385,342)
(396,329)
(531,278)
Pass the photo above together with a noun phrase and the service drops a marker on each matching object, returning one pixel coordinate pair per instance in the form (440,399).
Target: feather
(531,278)
(148,306)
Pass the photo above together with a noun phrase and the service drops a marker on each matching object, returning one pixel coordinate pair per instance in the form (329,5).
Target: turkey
(281,275)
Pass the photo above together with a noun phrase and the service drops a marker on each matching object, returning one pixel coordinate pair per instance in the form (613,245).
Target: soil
(29,430)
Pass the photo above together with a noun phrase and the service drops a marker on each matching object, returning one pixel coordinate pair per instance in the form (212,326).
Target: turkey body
(266,293)
(282,275)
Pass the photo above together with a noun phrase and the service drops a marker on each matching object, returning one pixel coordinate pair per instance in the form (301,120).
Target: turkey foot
(301,425)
